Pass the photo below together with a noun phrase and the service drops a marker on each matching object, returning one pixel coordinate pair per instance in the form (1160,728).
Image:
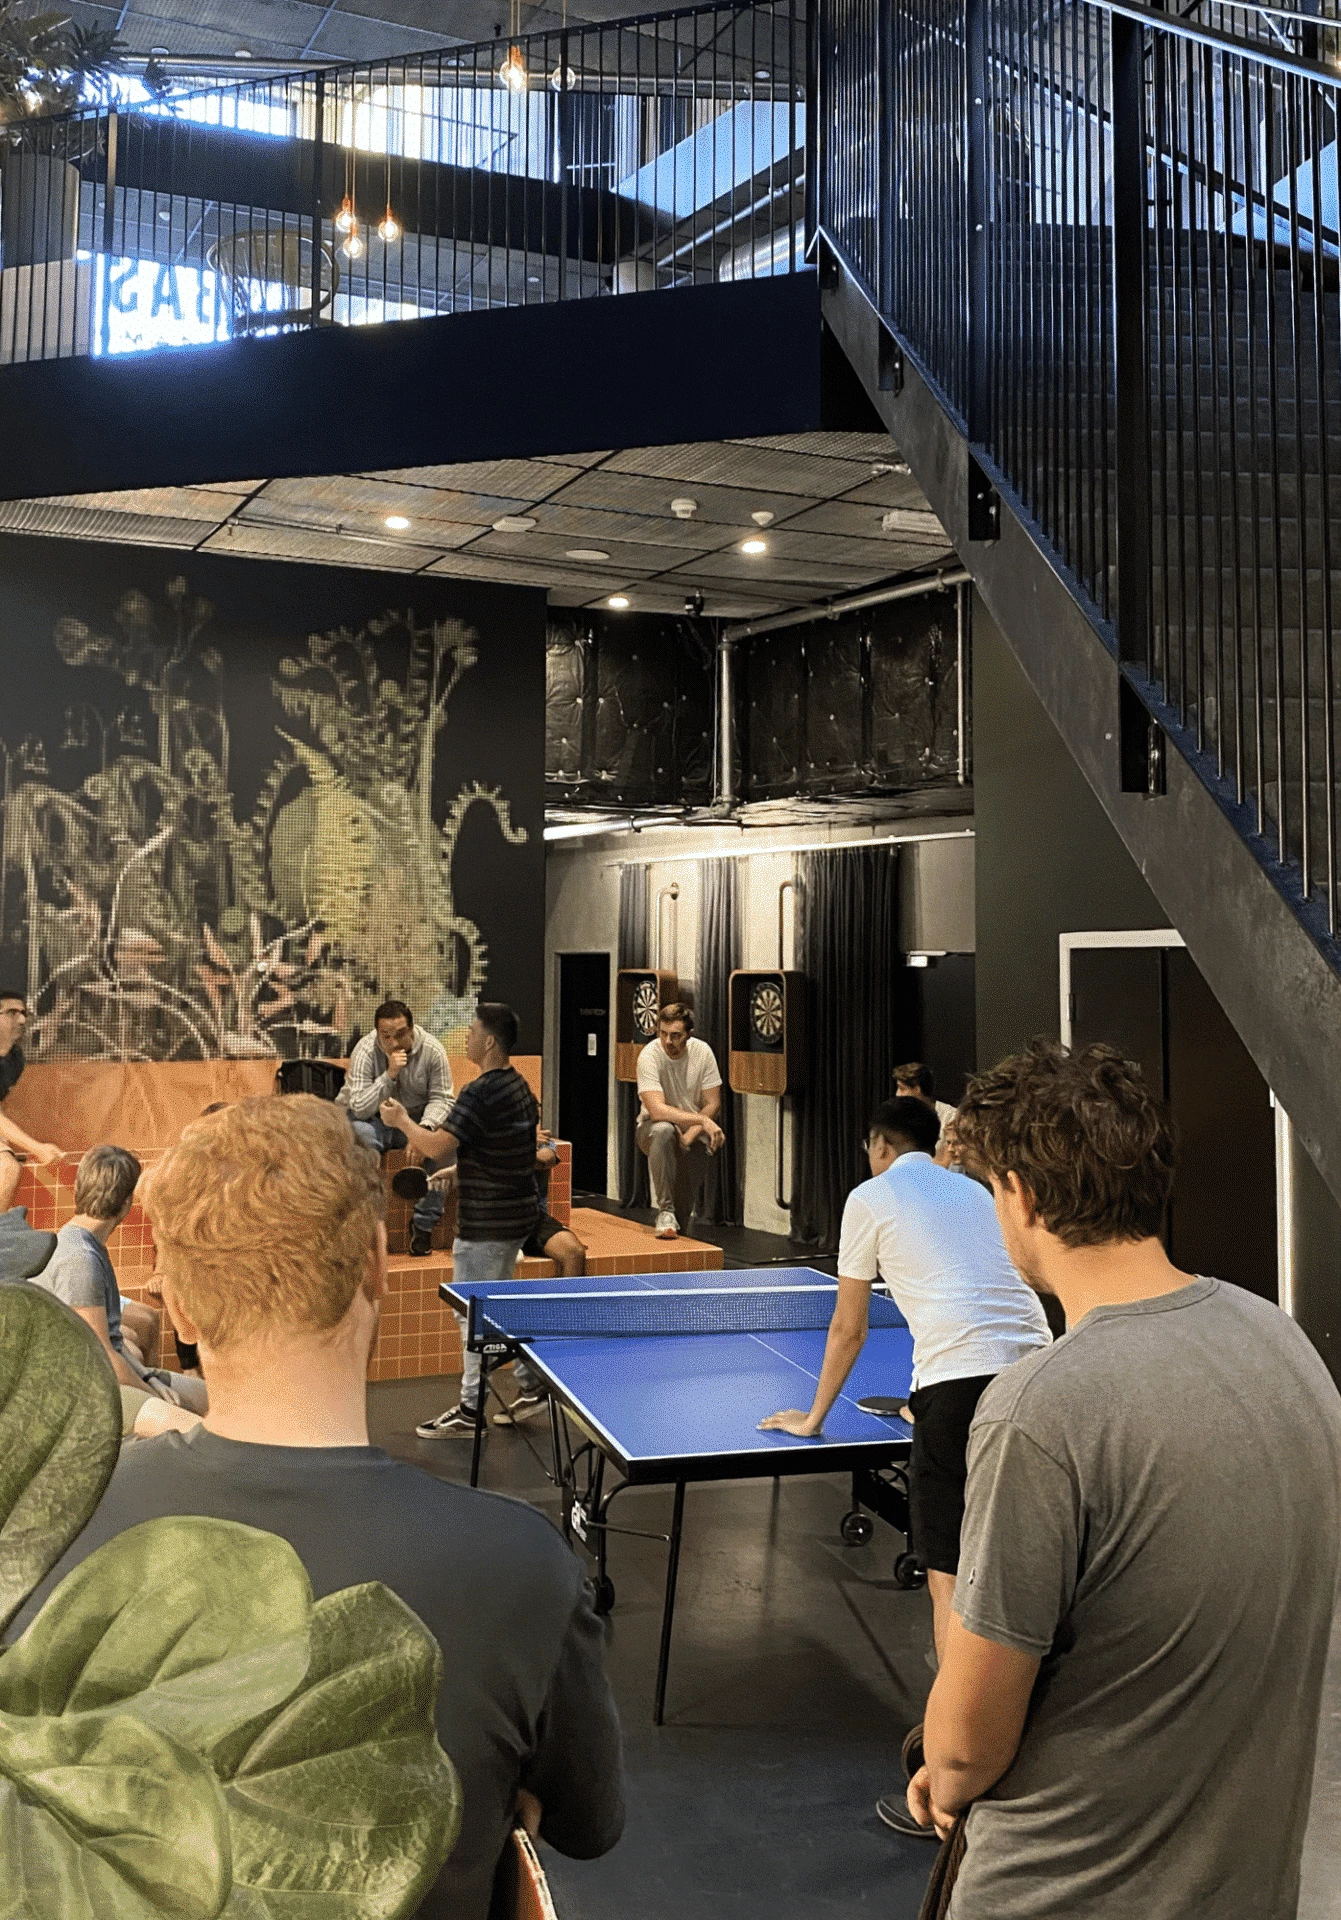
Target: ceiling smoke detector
(587,553)
(763,518)
(514,523)
(684,509)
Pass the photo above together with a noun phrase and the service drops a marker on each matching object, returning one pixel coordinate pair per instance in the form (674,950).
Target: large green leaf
(347,1794)
(198,1626)
(60,1429)
(103,1818)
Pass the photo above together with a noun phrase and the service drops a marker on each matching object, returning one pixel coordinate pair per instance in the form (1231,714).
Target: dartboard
(646,1007)
(766,1011)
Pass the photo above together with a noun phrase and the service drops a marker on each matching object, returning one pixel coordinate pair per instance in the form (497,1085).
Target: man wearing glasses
(13,1140)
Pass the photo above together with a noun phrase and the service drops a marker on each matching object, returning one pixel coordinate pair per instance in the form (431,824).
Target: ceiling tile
(595,528)
(519,479)
(169,503)
(96,523)
(331,549)
(734,464)
(466,566)
(838,446)
(545,548)
(619,491)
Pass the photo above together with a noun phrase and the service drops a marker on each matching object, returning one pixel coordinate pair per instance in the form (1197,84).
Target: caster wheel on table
(909,1573)
(857,1528)
(604,1595)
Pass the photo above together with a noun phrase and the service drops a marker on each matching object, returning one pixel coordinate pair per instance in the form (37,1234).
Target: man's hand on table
(792,1421)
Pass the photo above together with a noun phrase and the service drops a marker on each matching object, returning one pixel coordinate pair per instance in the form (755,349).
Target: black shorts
(938,1470)
(545,1229)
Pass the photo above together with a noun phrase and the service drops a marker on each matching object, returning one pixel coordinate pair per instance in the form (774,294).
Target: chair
(524,1889)
(256,261)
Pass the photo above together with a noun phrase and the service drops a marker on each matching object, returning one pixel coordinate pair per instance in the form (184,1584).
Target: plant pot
(39,208)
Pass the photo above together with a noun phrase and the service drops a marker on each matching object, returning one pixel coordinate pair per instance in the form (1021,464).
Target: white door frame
(1067,944)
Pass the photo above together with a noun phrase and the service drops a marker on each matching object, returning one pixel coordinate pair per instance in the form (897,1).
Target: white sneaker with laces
(523,1407)
(668,1226)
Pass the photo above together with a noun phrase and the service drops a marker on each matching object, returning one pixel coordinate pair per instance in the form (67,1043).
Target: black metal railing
(661,151)
(1108,235)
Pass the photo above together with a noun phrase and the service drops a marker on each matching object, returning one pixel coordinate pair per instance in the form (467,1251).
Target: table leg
(668,1612)
(480,1398)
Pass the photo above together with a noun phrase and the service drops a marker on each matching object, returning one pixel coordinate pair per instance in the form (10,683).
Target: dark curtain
(722,1200)
(633,1187)
(855,983)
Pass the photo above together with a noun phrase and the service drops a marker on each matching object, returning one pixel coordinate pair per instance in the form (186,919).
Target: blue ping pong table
(665,1377)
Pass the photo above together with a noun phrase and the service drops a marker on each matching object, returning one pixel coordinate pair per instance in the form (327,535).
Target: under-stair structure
(1085,258)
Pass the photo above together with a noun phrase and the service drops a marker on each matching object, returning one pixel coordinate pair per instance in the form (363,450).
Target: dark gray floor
(797,1668)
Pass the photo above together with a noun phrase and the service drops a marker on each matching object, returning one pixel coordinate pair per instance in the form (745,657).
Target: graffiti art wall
(243,801)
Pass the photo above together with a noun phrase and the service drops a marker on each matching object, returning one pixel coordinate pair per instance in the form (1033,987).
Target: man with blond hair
(1128,1698)
(272,1250)
(80,1273)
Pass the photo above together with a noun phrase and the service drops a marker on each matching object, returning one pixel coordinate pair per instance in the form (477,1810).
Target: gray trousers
(676,1176)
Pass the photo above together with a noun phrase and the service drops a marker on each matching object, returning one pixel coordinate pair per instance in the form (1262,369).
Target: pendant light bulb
(562,80)
(512,73)
(353,247)
(389,227)
(344,220)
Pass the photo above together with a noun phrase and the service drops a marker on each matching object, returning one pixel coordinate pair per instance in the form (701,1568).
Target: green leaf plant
(183,1731)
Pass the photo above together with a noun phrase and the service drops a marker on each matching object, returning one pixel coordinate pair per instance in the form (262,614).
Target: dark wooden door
(1154,1004)
(584,1064)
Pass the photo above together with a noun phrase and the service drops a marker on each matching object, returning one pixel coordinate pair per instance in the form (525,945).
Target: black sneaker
(457,1423)
(893,1810)
(523,1407)
(420,1243)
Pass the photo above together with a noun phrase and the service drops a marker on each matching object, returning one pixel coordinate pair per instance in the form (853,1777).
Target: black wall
(1047,859)
(245,800)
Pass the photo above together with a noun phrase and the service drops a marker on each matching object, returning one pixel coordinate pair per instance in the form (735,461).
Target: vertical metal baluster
(1293,89)
(1322,365)
(1195,165)
(1229,72)
(1273,419)
(1250,131)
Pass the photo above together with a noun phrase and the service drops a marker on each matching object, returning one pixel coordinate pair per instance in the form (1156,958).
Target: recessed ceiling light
(762,73)
(619,601)
(533,279)
(242,53)
(754,546)
(514,523)
(159,53)
(587,553)
(397,522)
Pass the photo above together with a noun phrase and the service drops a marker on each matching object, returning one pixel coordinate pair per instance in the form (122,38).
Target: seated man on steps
(492,1144)
(680,1099)
(80,1273)
(268,1224)
(400,1062)
(14,1142)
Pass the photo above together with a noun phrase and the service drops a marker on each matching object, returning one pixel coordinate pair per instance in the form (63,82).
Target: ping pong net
(783,1309)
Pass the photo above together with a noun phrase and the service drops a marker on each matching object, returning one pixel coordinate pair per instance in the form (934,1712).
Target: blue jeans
(383,1139)
(485,1260)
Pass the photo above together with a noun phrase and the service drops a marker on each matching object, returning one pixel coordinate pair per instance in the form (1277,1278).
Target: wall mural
(242,834)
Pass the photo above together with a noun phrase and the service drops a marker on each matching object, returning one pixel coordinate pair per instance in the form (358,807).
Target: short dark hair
(914,1074)
(1085,1135)
(497,1018)
(906,1122)
(13,993)
(393,1010)
(676,1010)
(215,1106)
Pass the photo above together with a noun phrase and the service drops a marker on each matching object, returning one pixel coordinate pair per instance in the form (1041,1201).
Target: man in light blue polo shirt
(931,1235)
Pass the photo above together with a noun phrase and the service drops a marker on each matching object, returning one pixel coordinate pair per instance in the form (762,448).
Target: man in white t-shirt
(915,1081)
(680,1098)
(932,1237)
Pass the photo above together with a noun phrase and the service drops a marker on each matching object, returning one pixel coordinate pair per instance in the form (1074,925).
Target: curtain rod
(809,846)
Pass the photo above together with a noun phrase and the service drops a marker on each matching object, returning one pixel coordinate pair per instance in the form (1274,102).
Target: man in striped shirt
(491,1141)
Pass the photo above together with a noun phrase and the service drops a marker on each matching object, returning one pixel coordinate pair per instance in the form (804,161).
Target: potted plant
(184,1733)
(48,66)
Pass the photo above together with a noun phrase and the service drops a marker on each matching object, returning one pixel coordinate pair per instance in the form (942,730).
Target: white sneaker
(667,1225)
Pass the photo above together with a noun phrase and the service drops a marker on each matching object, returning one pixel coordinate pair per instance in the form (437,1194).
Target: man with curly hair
(1128,1699)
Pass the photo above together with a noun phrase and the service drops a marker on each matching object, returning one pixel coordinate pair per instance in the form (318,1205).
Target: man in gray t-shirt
(1129,1698)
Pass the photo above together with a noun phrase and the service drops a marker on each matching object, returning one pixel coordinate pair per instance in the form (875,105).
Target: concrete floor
(797,1667)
